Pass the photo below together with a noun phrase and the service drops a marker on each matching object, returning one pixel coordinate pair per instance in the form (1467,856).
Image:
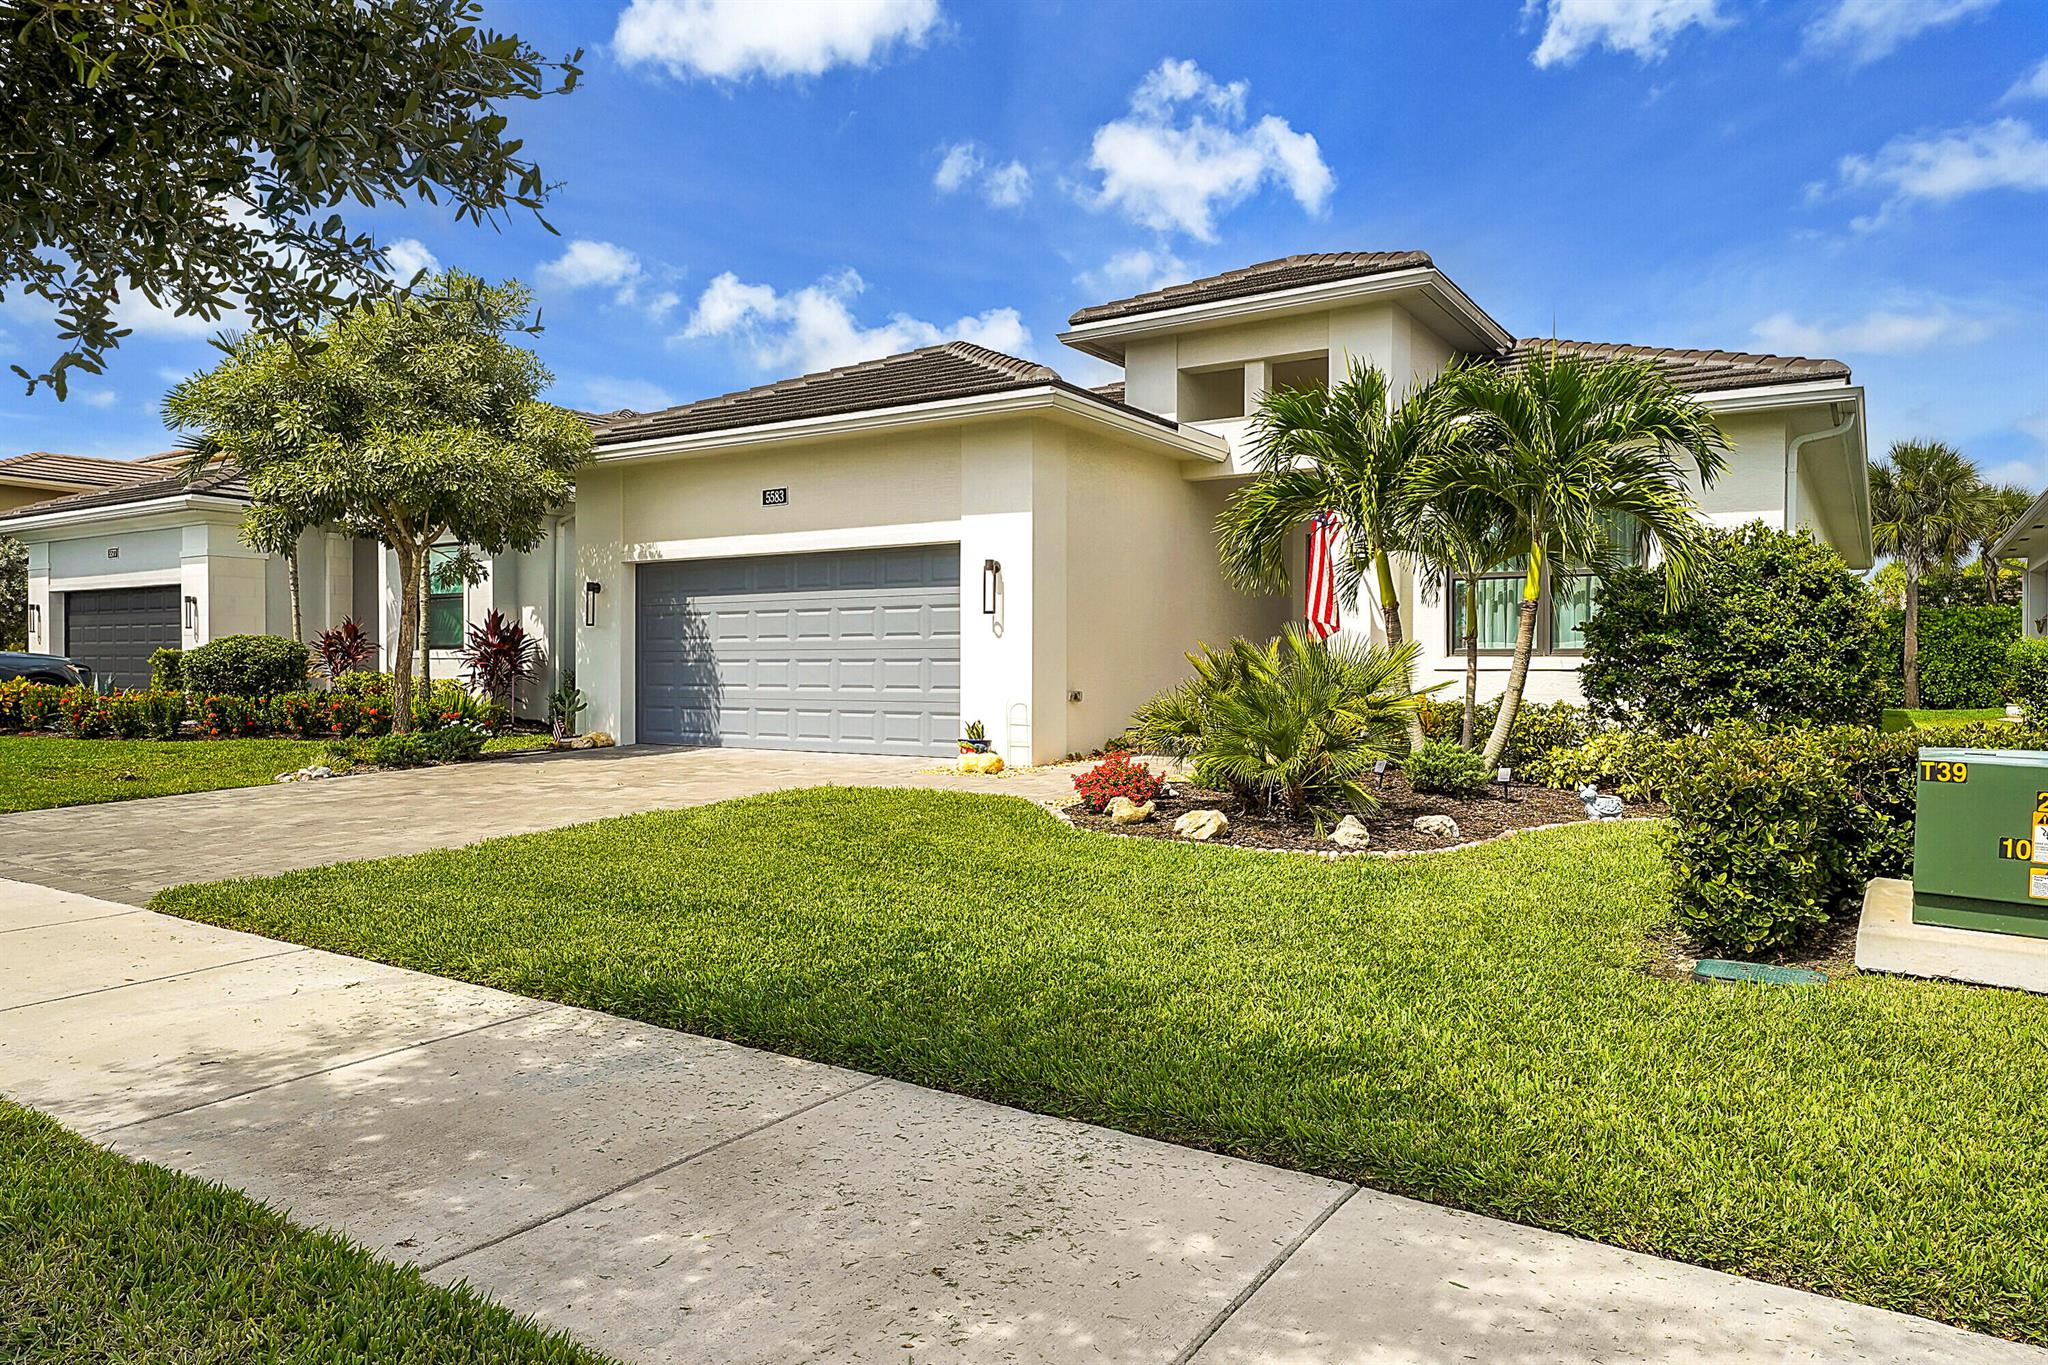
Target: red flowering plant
(231,717)
(1117,775)
(85,715)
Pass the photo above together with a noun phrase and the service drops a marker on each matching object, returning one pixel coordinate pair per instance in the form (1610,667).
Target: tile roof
(218,483)
(1693,371)
(1289,272)
(83,471)
(953,369)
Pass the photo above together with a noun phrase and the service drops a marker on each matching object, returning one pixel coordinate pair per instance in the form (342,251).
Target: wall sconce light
(191,613)
(991,574)
(590,591)
(35,618)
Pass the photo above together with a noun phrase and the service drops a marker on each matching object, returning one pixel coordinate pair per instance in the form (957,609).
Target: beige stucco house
(869,558)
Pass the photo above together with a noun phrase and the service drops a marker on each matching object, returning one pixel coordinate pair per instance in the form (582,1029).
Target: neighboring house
(865,559)
(43,474)
(2028,540)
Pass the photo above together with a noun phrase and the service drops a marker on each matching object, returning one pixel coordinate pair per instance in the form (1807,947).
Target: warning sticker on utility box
(2037,883)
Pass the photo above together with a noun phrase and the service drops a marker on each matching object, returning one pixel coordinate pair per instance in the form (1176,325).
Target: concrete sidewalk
(669,1198)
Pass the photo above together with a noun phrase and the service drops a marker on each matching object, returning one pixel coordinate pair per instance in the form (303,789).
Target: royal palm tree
(1996,509)
(1459,534)
(1923,498)
(1562,446)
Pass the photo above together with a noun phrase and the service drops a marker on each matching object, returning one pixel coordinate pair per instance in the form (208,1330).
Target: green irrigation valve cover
(1980,840)
(1722,969)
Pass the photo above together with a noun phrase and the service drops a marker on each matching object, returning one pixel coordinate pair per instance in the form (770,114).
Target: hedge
(245,666)
(1963,655)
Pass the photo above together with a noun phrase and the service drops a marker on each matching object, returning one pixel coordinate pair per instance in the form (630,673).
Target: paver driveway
(129,850)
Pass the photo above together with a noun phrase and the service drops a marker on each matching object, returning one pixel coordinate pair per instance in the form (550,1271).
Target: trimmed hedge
(1963,655)
(1539,727)
(2026,663)
(1440,766)
(245,666)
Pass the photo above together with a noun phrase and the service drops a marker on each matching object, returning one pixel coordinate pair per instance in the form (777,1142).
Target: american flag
(1321,608)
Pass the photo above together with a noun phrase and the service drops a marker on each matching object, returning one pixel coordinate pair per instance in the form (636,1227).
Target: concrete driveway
(669,1198)
(129,850)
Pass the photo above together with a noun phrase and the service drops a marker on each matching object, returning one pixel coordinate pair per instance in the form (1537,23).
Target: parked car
(44,668)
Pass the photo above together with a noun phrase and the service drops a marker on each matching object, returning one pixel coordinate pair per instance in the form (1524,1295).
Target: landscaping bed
(107,1259)
(1474,1028)
(1392,825)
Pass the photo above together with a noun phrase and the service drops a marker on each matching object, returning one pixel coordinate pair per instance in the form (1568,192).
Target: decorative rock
(1202,825)
(1437,826)
(311,773)
(1351,833)
(1599,807)
(1124,811)
(601,739)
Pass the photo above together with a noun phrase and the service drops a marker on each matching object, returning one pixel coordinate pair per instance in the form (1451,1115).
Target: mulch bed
(1392,825)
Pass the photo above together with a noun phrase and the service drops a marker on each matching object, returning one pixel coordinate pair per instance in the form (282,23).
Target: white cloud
(147,319)
(407,257)
(2006,154)
(734,39)
(609,393)
(97,398)
(1183,154)
(1880,332)
(587,264)
(2032,86)
(813,328)
(963,165)
(1870,29)
(1643,28)
(1135,270)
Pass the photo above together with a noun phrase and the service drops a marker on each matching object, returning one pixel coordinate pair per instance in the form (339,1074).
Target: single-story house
(868,558)
(41,475)
(2028,540)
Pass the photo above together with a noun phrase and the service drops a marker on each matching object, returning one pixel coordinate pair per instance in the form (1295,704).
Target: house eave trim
(81,516)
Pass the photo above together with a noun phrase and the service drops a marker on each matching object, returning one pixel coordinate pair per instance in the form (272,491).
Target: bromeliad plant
(499,655)
(344,649)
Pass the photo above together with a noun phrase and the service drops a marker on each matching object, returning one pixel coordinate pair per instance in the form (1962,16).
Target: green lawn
(1898,718)
(1472,1028)
(105,1259)
(517,743)
(45,770)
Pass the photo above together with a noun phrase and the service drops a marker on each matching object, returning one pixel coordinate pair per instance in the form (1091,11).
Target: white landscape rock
(1437,826)
(1351,833)
(1201,825)
(1124,811)
(311,773)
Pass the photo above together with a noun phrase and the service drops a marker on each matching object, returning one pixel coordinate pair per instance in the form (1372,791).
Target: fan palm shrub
(1923,500)
(1562,445)
(1996,509)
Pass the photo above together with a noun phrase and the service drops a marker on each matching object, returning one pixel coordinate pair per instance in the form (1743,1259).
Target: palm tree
(1922,504)
(1996,509)
(1459,534)
(1562,445)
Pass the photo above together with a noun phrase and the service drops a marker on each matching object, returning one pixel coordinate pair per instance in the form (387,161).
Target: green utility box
(1980,841)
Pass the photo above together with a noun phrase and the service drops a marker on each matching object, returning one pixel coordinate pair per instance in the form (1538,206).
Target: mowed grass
(1473,1028)
(40,771)
(1898,718)
(105,1259)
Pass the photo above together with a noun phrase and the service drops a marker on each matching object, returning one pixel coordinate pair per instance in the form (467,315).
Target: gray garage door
(855,650)
(117,629)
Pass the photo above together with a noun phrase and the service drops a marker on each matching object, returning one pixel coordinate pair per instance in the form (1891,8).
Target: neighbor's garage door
(855,650)
(117,629)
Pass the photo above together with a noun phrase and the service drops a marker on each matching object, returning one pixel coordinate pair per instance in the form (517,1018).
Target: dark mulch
(1392,825)
(1671,952)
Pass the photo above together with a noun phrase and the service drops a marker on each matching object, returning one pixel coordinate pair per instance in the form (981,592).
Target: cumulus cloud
(1135,270)
(962,166)
(1867,30)
(734,39)
(1184,153)
(814,328)
(609,393)
(1879,332)
(1642,28)
(2032,86)
(2004,154)
(588,264)
(407,257)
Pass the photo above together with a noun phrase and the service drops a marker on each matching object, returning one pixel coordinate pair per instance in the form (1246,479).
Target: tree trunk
(1518,672)
(1471,659)
(1390,619)
(1990,580)
(1911,662)
(408,636)
(426,596)
(291,565)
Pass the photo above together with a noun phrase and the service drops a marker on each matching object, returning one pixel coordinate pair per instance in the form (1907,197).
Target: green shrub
(26,705)
(163,713)
(454,743)
(1633,764)
(1538,728)
(1777,630)
(167,670)
(1448,769)
(364,685)
(1963,655)
(246,666)
(231,717)
(2027,679)
(304,714)
(125,714)
(85,714)
(399,751)
(451,703)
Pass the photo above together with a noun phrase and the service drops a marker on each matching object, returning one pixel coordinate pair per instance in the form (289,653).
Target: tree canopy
(408,420)
(194,153)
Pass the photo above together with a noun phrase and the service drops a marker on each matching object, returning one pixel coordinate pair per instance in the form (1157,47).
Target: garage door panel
(115,630)
(854,650)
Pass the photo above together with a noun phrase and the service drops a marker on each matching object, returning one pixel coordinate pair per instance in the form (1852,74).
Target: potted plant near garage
(976,741)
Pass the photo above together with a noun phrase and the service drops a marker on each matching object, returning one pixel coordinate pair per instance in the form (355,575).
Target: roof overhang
(57,518)
(1425,290)
(1051,401)
(1841,459)
(2028,539)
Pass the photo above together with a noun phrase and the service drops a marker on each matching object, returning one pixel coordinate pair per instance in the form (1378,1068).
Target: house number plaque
(774,497)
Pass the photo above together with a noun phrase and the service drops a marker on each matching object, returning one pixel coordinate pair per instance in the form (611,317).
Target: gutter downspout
(1798,444)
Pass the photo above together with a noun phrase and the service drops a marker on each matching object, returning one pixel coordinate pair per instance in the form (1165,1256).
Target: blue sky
(750,190)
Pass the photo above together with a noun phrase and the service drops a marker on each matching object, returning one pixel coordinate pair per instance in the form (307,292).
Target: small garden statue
(1599,807)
